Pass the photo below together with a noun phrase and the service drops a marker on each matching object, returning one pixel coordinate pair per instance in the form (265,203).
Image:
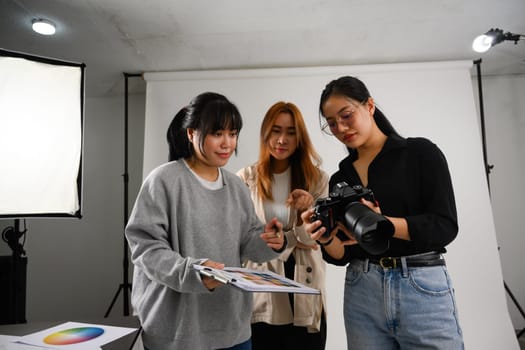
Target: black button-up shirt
(410,179)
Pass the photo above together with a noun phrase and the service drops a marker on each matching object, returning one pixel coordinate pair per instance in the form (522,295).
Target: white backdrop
(434,100)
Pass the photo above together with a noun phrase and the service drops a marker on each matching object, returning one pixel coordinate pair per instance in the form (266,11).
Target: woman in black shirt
(402,298)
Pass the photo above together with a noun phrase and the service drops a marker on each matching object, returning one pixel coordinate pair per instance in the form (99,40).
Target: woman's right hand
(210,282)
(331,243)
(314,229)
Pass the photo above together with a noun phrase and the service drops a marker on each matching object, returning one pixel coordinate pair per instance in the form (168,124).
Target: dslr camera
(371,230)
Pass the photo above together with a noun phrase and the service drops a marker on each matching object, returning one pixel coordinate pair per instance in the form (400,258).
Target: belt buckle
(388,262)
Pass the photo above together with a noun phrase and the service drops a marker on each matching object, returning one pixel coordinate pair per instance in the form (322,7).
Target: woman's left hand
(351,239)
(300,200)
(273,234)
(372,205)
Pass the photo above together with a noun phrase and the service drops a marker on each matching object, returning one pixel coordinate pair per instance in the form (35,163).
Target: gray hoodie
(175,223)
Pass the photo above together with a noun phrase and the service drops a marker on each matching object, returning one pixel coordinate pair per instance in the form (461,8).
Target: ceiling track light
(493,37)
(43,26)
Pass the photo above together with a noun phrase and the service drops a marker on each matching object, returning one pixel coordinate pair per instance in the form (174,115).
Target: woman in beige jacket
(284,182)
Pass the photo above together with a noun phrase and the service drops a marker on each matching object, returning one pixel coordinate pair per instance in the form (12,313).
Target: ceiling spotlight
(493,37)
(43,26)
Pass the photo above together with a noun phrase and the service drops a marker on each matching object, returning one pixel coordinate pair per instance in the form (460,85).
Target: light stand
(488,168)
(41,99)
(125,286)
(14,275)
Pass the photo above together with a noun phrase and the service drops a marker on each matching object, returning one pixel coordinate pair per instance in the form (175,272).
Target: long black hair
(207,113)
(353,88)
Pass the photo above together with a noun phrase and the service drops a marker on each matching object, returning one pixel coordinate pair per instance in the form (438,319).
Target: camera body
(331,209)
(371,230)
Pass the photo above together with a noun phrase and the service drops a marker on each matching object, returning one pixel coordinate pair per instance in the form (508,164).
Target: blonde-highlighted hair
(304,162)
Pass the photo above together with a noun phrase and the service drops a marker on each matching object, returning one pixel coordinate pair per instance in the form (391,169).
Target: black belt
(418,260)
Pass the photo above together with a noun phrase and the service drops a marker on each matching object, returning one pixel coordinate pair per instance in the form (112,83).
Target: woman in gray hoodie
(191,211)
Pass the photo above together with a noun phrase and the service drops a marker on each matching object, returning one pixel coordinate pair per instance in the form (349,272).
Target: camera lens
(372,230)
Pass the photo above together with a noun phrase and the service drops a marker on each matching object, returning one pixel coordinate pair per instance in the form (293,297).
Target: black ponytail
(178,143)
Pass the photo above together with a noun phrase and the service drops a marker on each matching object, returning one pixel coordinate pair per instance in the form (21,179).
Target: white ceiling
(133,36)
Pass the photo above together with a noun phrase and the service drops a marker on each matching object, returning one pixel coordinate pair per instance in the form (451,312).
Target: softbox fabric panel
(41,112)
(428,99)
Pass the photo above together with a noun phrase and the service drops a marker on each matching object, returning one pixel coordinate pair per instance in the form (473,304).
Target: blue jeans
(400,308)
(247,345)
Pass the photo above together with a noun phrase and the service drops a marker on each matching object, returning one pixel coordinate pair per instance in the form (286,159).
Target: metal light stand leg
(520,333)
(125,287)
(488,168)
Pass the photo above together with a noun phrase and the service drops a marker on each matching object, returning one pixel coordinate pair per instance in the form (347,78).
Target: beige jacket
(274,308)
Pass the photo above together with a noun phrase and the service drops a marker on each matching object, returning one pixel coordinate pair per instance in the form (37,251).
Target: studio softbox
(41,139)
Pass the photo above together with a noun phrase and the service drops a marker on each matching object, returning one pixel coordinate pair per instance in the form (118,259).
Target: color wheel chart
(74,335)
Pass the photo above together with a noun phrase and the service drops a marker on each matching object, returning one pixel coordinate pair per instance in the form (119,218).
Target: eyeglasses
(330,127)
(345,117)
